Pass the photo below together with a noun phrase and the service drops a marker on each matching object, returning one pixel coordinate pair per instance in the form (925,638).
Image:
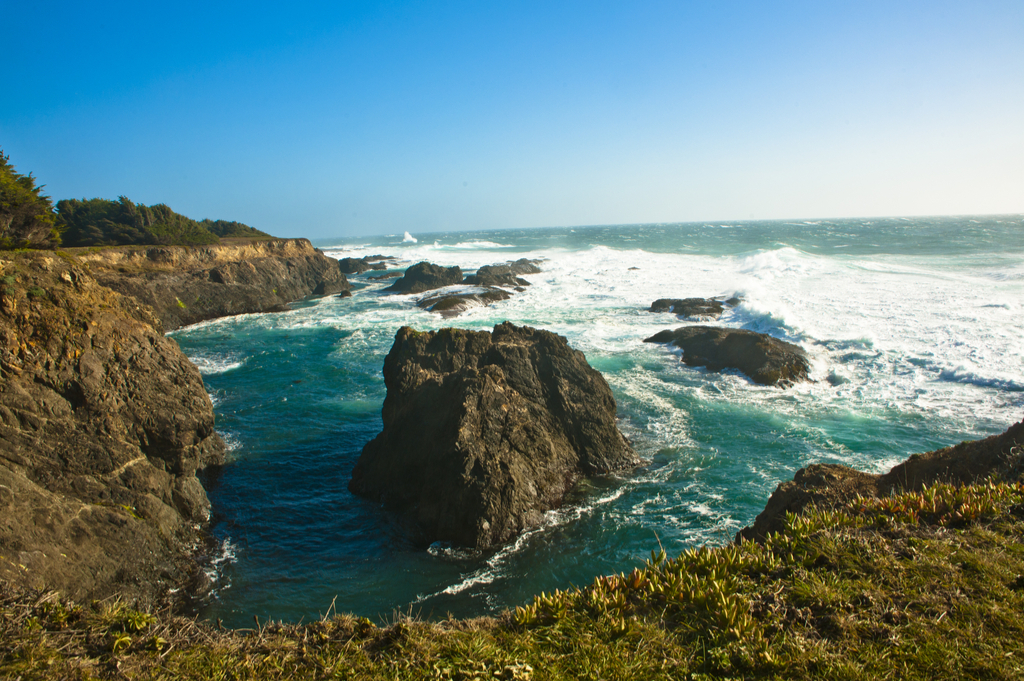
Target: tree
(27,219)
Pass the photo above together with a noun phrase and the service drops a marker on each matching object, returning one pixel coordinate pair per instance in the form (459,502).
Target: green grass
(916,586)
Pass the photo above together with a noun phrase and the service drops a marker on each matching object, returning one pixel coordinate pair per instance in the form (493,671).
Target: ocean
(913,326)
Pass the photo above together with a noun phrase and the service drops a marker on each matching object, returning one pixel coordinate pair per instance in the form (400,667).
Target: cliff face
(185,285)
(103,424)
(484,432)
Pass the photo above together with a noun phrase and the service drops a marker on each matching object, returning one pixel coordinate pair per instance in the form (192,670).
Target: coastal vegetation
(100,222)
(919,585)
(27,219)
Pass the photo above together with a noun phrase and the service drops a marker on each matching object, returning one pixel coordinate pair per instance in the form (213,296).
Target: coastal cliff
(189,284)
(104,423)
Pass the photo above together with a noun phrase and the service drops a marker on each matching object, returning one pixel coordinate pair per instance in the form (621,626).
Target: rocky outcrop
(506,274)
(103,424)
(829,485)
(694,308)
(360,265)
(454,303)
(766,360)
(484,432)
(425,276)
(185,285)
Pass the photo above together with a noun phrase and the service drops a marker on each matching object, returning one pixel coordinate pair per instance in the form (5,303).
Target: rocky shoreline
(103,419)
(105,422)
(185,285)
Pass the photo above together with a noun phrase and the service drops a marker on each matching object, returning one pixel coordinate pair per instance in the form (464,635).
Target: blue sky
(358,118)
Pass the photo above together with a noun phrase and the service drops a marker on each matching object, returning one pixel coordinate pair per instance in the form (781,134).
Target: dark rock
(504,274)
(345,294)
(830,485)
(185,285)
(484,432)
(103,424)
(452,304)
(360,265)
(425,276)
(698,308)
(389,275)
(766,360)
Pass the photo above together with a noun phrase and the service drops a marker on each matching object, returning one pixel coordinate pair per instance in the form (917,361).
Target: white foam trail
(492,568)
(215,364)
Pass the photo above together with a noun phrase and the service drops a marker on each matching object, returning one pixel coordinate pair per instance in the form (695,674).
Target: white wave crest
(215,364)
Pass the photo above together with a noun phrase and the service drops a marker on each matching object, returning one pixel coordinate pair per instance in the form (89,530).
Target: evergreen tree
(27,219)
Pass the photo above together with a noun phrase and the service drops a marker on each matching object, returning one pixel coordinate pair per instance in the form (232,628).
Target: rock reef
(998,456)
(485,431)
(104,423)
(452,304)
(764,359)
(185,285)
(693,308)
(506,274)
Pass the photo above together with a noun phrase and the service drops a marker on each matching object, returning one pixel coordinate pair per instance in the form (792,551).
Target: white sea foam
(225,553)
(209,364)
(494,567)
(409,238)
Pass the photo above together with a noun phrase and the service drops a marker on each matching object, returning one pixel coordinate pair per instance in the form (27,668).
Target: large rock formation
(766,360)
(484,432)
(185,285)
(425,276)
(103,424)
(831,484)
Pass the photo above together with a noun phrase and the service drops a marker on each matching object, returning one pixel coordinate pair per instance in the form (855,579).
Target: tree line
(28,219)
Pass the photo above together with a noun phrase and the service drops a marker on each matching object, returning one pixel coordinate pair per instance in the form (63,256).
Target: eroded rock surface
(484,432)
(185,285)
(103,425)
(766,360)
(829,485)
(425,276)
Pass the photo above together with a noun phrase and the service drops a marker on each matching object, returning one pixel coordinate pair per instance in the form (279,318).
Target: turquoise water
(913,327)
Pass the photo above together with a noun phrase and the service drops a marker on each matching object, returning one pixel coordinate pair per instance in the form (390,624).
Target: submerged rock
(830,485)
(766,360)
(484,432)
(454,303)
(425,276)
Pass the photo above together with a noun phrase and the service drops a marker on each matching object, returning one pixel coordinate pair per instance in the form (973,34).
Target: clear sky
(356,118)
